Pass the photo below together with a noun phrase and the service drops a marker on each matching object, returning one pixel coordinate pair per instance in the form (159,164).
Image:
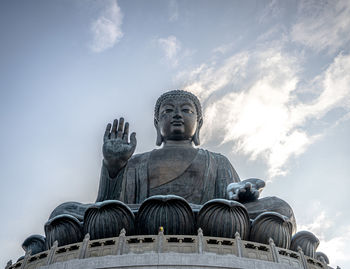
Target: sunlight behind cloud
(106,29)
(252,98)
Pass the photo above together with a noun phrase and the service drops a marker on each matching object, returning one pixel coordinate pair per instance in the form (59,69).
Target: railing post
(238,244)
(84,247)
(121,242)
(275,255)
(200,241)
(52,253)
(26,258)
(303,259)
(160,239)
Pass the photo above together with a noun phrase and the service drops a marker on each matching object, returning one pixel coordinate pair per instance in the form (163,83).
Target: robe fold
(206,178)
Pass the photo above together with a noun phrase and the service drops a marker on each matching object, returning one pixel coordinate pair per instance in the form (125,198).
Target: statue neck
(178,143)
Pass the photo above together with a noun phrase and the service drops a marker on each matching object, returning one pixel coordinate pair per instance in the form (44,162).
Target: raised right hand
(116,148)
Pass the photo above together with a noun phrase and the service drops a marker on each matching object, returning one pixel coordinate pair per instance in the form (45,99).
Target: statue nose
(177,114)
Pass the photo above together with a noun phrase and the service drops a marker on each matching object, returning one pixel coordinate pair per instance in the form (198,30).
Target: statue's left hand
(246,190)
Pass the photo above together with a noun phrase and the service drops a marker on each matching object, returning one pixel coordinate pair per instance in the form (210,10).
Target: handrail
(161,243)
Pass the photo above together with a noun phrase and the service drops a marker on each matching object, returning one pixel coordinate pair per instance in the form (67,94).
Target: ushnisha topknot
(175,94)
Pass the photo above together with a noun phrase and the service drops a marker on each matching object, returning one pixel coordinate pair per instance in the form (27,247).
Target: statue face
(177,119)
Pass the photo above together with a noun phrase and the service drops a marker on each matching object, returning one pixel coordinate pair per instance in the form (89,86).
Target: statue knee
(74,209)
(271,204)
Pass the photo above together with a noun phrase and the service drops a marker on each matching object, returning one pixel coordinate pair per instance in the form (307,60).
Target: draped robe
(204,178)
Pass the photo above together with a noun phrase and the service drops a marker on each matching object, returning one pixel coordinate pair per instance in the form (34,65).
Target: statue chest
(179,172)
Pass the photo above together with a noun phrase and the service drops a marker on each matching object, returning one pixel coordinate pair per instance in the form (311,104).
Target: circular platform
(168,251)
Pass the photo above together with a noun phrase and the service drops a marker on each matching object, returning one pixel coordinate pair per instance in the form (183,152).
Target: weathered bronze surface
(34,243)
(176,168)
(305,240)
(224,218)
(65,229)
(171,212)
(272,225)
(106,219)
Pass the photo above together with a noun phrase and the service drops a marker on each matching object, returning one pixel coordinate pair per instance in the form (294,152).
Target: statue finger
(241,191)
(233,196)
(107,132)
(256,194)
(248,186)
(260,184)
(120,128)
(126,132)
(114,128)
(133,141)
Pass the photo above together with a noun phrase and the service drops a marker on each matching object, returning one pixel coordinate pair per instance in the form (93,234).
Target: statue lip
(177,122)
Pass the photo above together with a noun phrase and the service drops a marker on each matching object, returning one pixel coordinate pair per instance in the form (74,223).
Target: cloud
(253,98)
(272,10)
(323,25)
(223,49)
(106,29)
(173,11)
(171,47)
(333,235)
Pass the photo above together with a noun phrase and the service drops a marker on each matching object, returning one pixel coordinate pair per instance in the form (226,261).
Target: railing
(167,243)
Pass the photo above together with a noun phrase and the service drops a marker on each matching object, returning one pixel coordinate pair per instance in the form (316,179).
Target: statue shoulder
(222,163)
(218,157)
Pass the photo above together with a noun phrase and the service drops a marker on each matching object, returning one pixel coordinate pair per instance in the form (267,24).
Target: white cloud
(106,29)
(252,98)
(171,47)
(319,224)
(271,10)
(223,49)
(173,11)
(323,24)
(333,236)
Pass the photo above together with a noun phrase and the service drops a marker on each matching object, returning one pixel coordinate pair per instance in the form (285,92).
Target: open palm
(116,146)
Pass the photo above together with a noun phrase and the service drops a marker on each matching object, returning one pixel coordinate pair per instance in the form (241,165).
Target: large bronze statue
(178,167)
(177,189)
(178,186)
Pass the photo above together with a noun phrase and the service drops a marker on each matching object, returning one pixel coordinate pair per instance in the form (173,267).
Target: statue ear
(196,134)
(159,140)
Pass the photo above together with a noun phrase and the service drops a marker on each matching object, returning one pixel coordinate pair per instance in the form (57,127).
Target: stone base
(167,251)
(168,261)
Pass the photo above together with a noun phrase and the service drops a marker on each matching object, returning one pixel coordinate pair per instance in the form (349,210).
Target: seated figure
(177,168)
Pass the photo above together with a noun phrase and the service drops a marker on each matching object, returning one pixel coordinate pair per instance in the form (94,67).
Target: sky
(273,78)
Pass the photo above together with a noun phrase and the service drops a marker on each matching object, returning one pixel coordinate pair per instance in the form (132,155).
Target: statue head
(178,116)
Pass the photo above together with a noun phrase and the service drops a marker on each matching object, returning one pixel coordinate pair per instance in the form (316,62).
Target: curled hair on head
(175,94)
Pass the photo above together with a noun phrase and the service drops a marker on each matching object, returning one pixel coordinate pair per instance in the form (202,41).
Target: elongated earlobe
(159,140)
(196,134)
(196,138)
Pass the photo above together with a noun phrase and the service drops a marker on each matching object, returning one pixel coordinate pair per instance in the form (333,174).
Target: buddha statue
(178,167)
(176,189)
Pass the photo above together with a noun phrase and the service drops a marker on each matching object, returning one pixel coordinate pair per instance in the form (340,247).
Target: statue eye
(187,110)
(168,110)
